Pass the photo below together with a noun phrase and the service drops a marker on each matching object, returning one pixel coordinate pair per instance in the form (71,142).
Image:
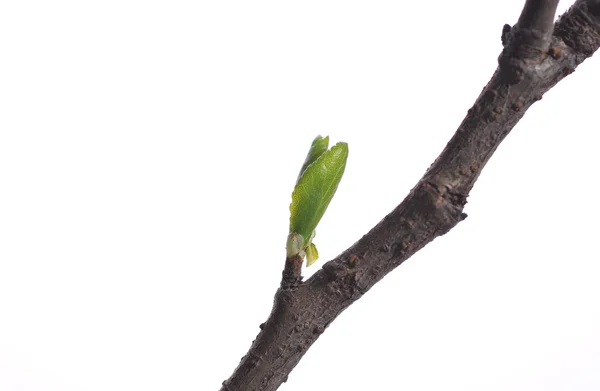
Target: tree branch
(534,59)
(292,272)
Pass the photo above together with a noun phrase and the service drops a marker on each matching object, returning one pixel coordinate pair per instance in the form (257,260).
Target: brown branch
(303,310)
(292,272)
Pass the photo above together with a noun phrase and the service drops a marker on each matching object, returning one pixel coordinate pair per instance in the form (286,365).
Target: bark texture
(537,54)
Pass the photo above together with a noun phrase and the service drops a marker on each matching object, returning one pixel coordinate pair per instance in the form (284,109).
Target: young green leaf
(315,189)
(317,148)
(311,254)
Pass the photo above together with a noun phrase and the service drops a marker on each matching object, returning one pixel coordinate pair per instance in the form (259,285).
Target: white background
(148,151)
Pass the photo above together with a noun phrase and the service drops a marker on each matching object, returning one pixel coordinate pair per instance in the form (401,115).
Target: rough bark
(537,54)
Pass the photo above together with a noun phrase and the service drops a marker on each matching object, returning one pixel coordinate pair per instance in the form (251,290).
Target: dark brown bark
(536,56)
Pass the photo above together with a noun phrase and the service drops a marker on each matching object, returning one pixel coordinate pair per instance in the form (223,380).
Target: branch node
(517,106)
(505,34)
(526,44)
(353,261)
(555,52)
